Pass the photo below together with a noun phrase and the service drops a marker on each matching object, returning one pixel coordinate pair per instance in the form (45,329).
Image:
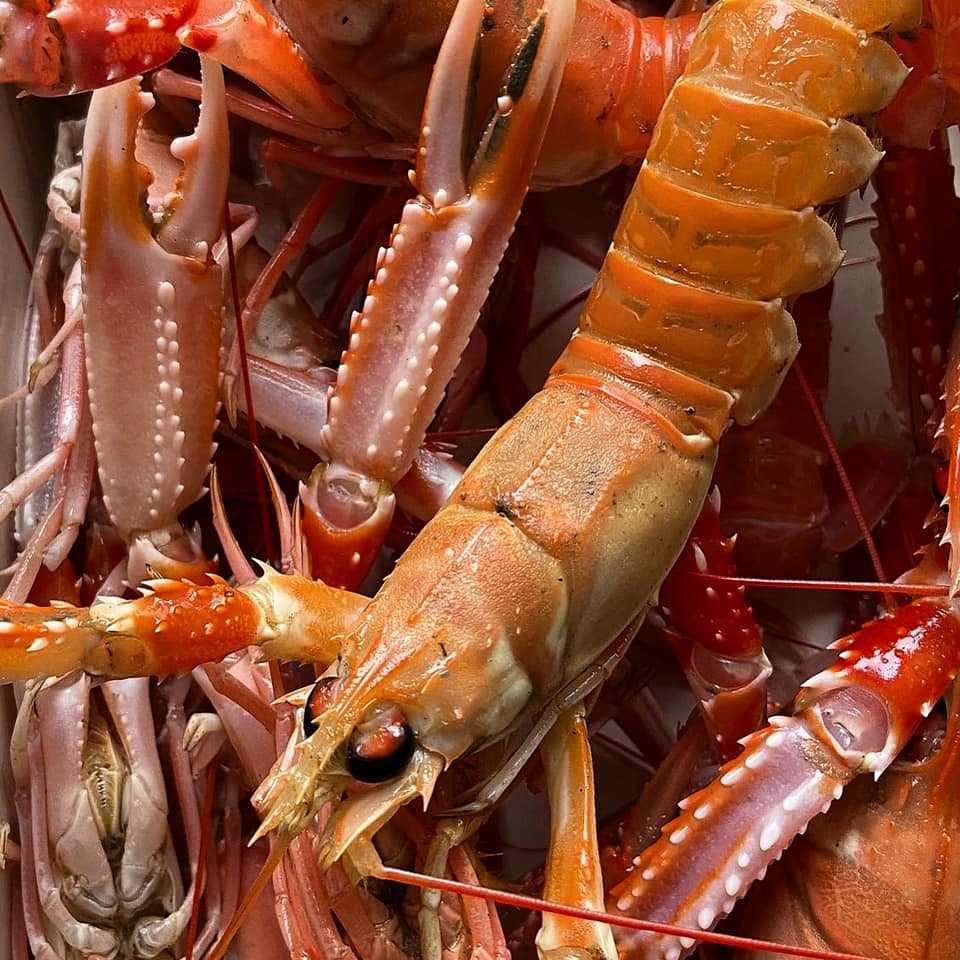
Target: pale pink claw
(423,302)
(159,401)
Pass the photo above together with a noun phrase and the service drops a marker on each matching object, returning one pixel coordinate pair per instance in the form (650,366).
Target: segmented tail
(720,226)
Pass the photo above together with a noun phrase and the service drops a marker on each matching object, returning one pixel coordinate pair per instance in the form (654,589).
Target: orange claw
(176,625)
(76,45)
(119,638)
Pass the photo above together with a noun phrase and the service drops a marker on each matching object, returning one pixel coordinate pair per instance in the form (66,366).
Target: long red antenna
(851,586)
(535,903)
(247,390)
(17,235)
(201,859)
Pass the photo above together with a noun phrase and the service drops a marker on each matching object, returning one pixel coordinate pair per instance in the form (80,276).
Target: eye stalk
(381,745)
(317,702)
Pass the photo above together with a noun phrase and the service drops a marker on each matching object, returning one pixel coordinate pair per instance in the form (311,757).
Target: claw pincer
(851,718)
(175,626)
(430,283)
(54,47)
(148,290)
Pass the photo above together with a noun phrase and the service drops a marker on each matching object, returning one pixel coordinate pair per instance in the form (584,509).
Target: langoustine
(100,871)
(692,428)
(508,508)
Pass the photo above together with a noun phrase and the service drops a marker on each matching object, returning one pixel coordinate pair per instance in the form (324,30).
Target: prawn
(529,580)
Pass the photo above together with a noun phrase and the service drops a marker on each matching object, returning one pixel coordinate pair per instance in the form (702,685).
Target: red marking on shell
(198,38)
(906,658)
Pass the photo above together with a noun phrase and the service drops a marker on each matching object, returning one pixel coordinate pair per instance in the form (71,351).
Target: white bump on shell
(731,776)
(678,836)
(769,835)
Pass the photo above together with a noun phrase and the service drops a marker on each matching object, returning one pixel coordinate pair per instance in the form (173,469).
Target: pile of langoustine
(519,599)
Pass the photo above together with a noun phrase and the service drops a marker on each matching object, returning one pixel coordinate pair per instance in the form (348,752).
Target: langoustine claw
(430,283)
(152,339)
(67,46)
(886,842)
(851,718)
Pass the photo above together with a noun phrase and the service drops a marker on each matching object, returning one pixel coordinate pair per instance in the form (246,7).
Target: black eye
(380,746)
(317,702)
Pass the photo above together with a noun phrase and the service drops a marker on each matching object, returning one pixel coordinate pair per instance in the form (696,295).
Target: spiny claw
(851,718)
(175,625)
(162,400)
(415,322)
(75,45)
